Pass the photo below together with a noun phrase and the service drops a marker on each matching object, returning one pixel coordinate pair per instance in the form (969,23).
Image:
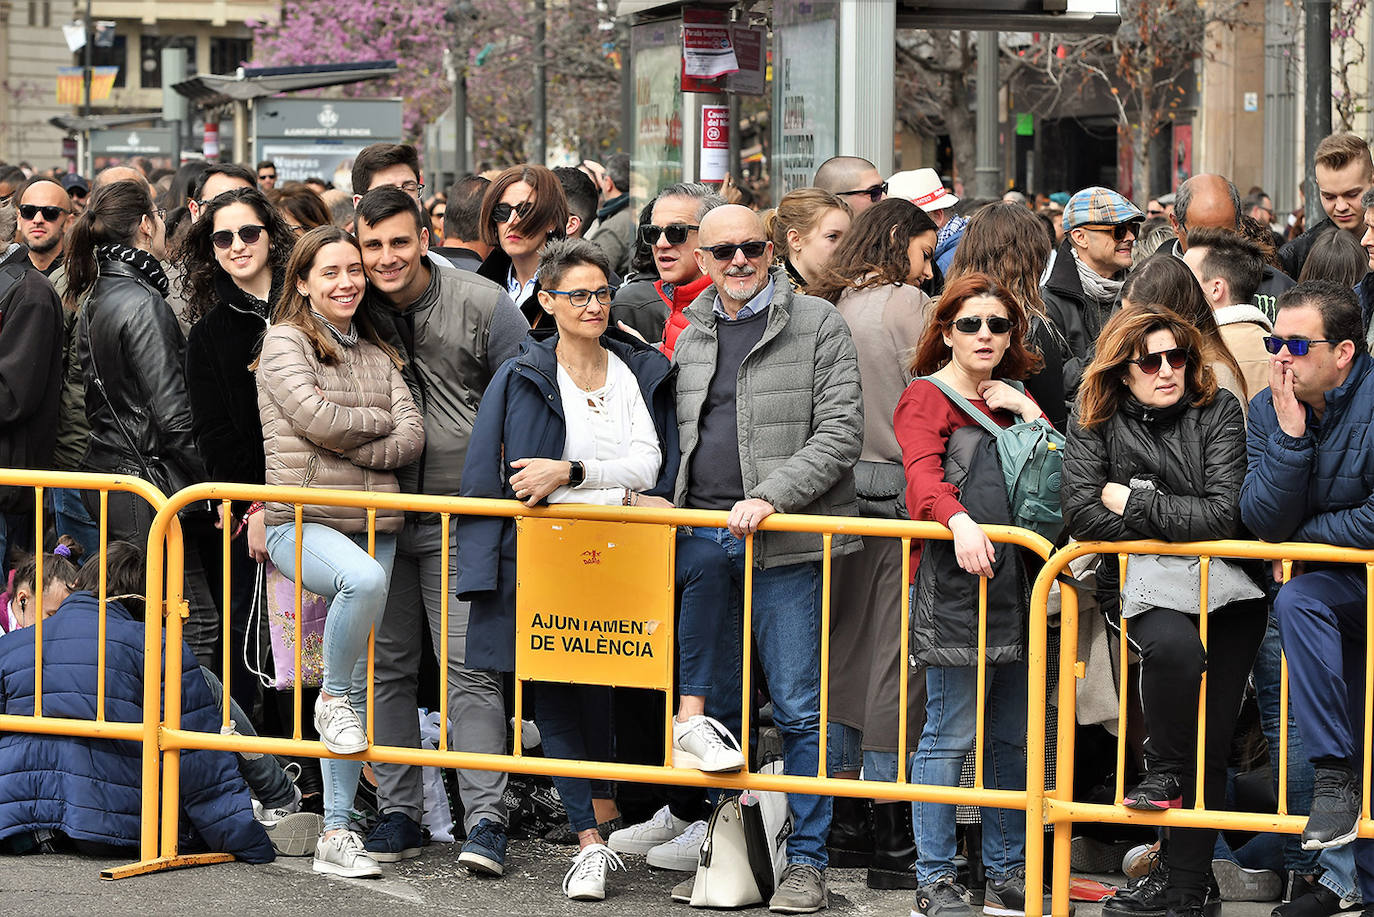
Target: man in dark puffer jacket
(1311,478)
(89,789)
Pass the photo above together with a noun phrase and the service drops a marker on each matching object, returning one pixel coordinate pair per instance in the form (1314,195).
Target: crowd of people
(858,350)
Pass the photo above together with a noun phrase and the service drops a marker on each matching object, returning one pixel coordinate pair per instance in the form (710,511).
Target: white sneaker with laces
(340,729)
(705,744)
(645,836)
(682,853)
(293,833)
(343,854)
(586,880)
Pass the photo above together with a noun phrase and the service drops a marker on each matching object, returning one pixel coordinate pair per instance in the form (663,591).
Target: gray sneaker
(942,898)
(801,890)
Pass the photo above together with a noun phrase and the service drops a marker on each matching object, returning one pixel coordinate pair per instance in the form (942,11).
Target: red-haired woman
(1157,450)
(974,344)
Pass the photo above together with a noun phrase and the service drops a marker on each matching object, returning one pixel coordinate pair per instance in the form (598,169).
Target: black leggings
(1171,664)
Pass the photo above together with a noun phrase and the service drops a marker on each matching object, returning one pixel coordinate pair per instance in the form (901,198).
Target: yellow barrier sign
(594,603)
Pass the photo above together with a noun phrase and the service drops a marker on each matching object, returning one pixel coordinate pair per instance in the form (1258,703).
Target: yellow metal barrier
(173,738)
(1059,808)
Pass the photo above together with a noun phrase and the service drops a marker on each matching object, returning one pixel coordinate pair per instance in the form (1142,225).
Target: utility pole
(1317,115)
(987,174)
(540,152)
(86,65)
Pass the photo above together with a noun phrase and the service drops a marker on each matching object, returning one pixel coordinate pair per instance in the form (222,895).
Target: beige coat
(364,427)
(1243,328)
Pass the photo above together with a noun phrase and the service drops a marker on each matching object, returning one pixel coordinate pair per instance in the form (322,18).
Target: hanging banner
(715,143)
(707,51)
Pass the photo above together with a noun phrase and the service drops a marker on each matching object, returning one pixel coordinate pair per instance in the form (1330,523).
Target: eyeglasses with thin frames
(581,299)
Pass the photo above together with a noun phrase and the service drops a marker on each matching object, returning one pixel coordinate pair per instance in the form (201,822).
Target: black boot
(851,833)
(894,847)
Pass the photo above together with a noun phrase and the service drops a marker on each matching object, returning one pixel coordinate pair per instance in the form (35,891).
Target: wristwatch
(577,473)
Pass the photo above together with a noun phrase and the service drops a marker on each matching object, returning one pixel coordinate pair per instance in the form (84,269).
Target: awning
(77,124)
(260,82)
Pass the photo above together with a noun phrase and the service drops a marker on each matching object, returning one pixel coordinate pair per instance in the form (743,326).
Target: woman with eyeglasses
(232,262)
(1157,451)
(132,353)
(522,211)
(586,415)
(806,227)
(975,346)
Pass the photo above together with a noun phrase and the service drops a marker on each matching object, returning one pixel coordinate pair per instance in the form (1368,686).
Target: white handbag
(743,852)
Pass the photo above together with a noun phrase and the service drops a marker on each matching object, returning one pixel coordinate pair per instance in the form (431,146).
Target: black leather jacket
(128,338)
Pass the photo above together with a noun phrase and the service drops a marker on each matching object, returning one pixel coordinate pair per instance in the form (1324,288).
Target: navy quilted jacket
(89,788)
(1318,487)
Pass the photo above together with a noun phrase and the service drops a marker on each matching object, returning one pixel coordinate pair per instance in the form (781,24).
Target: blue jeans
(1267,671)
(951,708)
(16,530)
(787,636)
(1321,619)
(70,517)
(701,572)
(337,567)
(575,723)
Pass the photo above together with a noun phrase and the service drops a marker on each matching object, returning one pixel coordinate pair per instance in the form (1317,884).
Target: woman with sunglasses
(131,351)
(1157,451)
(336,413)
(586,415)
(974,344)
(232,260)
(522,210)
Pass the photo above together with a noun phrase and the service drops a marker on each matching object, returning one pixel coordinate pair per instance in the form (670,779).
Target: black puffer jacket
(127,332)
(944,610)
(1194,457)
(1078,318)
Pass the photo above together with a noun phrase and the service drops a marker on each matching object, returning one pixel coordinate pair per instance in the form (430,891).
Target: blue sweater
(1318,487)
(89,788)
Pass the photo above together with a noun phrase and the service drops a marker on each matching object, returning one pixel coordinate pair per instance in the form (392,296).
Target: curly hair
(195,253)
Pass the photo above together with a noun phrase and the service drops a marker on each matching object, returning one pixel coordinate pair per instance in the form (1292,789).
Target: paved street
(432,884)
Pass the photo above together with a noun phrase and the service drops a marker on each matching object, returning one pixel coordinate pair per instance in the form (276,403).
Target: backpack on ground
(1032,458)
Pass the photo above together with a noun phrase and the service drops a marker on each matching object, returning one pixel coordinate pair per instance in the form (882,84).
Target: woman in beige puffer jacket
(336,413)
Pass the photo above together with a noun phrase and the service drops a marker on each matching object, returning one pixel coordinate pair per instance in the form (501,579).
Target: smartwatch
(577,473)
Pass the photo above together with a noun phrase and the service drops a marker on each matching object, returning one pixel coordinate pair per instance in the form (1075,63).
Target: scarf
(1098,288)
(142,261)
(613,206)
(348,340)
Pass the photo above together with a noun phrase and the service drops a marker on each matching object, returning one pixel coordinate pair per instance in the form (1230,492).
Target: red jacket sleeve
(923,423)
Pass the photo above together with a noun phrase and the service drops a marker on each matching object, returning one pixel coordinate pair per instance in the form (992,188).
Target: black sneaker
(396,837)
(1334,817)
(1156,791)
(1319,902)
(1145,897)
(942,898)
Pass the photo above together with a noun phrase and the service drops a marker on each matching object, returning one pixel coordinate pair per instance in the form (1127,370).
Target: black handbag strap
(123,430)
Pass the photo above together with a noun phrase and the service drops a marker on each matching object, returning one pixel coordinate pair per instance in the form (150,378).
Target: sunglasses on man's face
(873,192)
(249,233)
(726,252)
(267,176)
(501,213)
(972,324)
(1151,363)
(1119,231)
(51,214)
(676,232)
(1296,346)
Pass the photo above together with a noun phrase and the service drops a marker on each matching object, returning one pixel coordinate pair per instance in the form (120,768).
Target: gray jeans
(476,707)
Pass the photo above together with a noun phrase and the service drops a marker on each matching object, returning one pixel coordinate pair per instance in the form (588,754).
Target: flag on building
(71,87)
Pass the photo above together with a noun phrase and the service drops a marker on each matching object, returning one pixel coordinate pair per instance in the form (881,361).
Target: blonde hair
(801,209)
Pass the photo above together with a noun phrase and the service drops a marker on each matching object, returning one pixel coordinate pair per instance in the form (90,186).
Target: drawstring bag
(276,592)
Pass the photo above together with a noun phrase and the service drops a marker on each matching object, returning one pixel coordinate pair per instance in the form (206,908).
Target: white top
(611,432)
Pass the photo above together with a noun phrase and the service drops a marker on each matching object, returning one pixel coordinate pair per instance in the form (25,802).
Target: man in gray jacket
(770,415)
(453,329)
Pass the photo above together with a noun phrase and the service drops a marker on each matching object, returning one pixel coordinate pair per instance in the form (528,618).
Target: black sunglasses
(1296,346)
(583,298)
(249,233)
(266,175)
(875,192)
(501,212)
(676,233)
(972,324)
(1151,363)
(29,211)
(727,251)
(1119,231)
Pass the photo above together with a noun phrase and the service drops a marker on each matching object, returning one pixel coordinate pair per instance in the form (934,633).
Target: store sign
(715,143)
(314,138)
(138,141)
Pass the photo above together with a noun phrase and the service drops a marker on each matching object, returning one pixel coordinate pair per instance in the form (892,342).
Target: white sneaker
(645,836)
(682,853)
(705,744)
(586,880)
(339,727)
(293,833)
(342,854)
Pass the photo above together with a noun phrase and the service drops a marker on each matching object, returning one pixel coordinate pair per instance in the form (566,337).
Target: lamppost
(458,14)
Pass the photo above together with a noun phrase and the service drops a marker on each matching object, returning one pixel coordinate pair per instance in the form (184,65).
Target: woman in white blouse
(586,416)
